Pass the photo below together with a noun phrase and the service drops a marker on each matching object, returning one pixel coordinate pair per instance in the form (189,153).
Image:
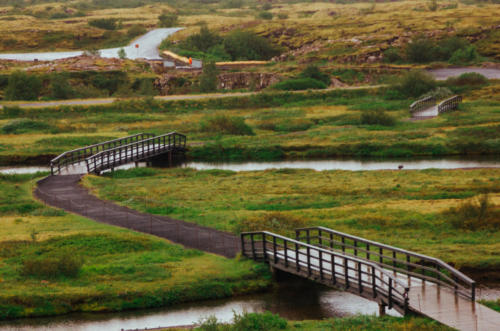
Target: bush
(104,23)
(313,72)
(299,84)
(392,55)
(438,93)
(475,215)
(223,124)
(246,45)
(22,86)
(415,83)
(67,264)
(420,50)
(24,125)
(377,118)
(258,322)
(467,79)
(464,56)
(208,78)
(265,15)
(60,87)
(168,20)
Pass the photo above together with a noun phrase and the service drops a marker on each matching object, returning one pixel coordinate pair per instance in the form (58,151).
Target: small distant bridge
(395,278)
(427,107)
(110,154)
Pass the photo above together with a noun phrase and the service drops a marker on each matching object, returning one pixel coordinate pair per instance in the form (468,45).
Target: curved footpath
(66,193)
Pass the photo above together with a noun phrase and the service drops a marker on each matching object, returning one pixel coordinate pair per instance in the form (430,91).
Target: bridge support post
(381,309)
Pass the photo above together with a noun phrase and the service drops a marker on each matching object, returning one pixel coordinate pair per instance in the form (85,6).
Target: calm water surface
(319,165)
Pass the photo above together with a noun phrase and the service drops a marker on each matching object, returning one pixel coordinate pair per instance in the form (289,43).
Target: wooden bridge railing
(139,150)
(422,104)
(80,154)
(449,104)
(329,267)
(399,260)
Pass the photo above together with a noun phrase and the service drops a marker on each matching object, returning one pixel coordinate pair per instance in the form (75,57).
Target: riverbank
(55,263)
(274,126)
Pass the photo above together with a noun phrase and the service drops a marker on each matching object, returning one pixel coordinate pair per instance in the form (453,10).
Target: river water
(318,165)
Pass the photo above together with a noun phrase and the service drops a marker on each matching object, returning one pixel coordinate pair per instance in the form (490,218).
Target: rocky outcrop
(252,80)
(169,83)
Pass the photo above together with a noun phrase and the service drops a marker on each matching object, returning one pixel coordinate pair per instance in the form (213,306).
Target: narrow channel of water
(297,300)
(319,165)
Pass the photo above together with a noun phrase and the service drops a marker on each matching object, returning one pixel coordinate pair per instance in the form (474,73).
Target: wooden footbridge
(113,153)
(395,278)
(428,107)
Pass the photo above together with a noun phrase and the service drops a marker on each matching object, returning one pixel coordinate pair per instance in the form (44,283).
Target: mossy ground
(122,269)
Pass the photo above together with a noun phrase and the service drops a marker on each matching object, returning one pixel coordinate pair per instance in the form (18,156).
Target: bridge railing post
(321,265)
(286,252)
(264,246)
(275,256)
(390,293)
(309,269)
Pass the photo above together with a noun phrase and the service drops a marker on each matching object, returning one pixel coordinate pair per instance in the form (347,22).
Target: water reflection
(292,299)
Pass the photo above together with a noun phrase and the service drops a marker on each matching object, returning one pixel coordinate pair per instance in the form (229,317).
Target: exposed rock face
(253,80)
(169,83)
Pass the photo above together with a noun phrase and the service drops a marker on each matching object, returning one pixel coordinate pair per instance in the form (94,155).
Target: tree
(104,23)
(208,78)
(168,20)
(421,50)
(122,54)
(60,87)
(22,86)
(312,71)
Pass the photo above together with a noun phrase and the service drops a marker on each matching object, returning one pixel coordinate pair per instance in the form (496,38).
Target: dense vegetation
(237,45)
(55,263)
(418,208)
(269,322)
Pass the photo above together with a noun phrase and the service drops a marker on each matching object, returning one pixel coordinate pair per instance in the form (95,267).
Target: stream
(318,165)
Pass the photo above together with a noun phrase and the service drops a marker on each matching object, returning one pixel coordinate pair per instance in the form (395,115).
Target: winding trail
(65,192)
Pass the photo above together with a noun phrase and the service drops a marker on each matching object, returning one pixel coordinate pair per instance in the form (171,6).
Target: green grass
(121,269)
(412,206)
(285,125)
(269,322)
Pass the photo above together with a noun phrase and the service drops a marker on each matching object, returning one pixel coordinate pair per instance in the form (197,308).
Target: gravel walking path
(66,193)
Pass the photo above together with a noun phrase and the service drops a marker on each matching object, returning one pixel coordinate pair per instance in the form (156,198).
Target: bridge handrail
(422,103)
(75,155)
(92,158)
(432,261)
(450,103)
(392,283)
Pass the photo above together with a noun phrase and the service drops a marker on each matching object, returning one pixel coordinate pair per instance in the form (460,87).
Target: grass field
(408,209)
(121,269)
(283,125)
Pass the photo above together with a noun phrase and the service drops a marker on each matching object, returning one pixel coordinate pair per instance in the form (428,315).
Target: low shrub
(224,124)
(313,72)
(265,15)
(136,30)
(24,125)
(104,23)
(297,84)
(22,86)
(67,264)
(377,118)
(467,79)
(258,322)
(414,83)
(438,93)
(392,55)
(475,215)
